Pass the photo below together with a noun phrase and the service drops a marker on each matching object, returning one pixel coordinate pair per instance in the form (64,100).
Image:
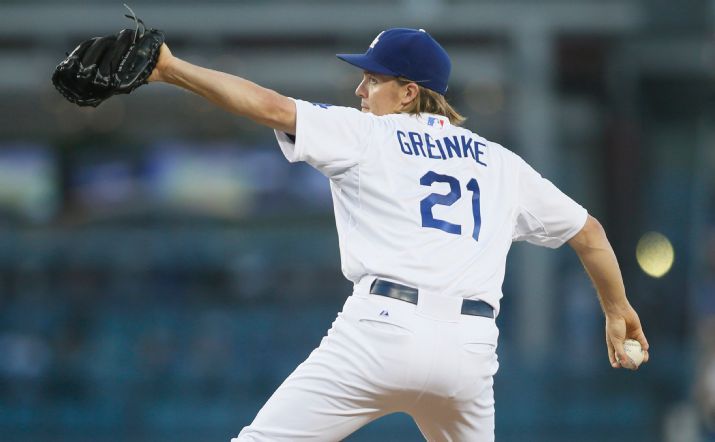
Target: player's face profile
(379,94)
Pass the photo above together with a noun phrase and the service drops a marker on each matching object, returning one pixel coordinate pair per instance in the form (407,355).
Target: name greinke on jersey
(423,144)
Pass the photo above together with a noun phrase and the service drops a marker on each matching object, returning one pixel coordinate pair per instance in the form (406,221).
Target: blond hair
(431,102)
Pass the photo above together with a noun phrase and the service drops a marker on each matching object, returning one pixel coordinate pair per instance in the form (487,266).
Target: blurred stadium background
(163,268)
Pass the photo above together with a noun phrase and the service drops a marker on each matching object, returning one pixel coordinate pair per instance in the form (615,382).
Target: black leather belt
(472,307)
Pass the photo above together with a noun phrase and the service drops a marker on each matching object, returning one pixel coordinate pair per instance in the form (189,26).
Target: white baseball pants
(382,356)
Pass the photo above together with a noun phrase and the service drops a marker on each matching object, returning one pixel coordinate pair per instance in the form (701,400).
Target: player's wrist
(616,307)
(615,303)
(618,312)
(163,66)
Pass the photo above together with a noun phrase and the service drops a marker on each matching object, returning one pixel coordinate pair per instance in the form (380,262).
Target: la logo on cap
(408,53)
(374,42)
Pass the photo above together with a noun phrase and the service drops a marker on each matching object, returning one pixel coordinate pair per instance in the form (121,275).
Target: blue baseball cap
(409,53)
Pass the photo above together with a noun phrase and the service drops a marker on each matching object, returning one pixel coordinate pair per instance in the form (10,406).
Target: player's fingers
(640,337)
(644,345)
(624,360)
(611,355)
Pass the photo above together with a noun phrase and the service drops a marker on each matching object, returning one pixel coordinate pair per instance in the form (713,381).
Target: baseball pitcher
(425,210)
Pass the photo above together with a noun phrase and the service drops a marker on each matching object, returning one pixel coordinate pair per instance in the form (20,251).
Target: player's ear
(410,92)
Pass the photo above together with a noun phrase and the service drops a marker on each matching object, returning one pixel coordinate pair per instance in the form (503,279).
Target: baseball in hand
(633,350)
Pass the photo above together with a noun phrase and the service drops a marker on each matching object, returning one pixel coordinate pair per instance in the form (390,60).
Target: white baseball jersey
(424,203)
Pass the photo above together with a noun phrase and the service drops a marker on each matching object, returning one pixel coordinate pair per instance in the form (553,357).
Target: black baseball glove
(104,66)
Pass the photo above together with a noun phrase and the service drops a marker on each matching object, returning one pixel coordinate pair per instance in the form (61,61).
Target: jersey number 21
(433,199)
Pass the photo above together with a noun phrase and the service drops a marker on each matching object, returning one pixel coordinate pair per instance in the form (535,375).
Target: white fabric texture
(376,166)
(438,370)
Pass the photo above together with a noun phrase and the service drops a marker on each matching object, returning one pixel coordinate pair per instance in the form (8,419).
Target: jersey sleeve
(330,138)
(545,215)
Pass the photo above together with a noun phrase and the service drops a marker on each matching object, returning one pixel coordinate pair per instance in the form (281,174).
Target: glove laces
(137,21)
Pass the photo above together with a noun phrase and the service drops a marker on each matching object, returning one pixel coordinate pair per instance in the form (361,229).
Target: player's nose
(361,90)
